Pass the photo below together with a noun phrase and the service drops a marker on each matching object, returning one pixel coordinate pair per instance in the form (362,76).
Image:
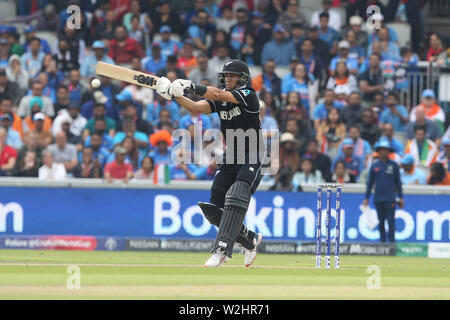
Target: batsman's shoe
(217,259)
(250,255)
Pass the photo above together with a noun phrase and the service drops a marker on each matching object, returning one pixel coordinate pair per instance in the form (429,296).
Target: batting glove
(180,86)
(163,88)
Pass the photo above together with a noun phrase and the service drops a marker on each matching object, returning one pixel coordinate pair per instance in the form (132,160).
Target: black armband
(199,89)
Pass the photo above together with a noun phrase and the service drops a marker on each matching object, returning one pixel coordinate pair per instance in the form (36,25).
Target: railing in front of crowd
(411,81)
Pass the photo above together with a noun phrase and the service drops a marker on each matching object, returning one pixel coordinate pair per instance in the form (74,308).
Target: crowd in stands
(341,96)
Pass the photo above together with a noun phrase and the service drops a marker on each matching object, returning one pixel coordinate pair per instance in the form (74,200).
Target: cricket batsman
(238,108)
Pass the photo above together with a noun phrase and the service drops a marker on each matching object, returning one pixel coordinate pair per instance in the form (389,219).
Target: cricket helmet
(238,67)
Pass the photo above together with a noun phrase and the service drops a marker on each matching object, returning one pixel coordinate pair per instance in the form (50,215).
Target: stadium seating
(403,31)
(50,37)
(7,9)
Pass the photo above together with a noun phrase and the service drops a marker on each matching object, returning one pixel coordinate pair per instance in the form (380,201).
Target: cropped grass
(43,274)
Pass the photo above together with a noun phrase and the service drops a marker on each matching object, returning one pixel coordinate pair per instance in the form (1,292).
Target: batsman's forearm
(194,107)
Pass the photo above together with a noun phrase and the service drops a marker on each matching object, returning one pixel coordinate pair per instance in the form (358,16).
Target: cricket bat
(127,75)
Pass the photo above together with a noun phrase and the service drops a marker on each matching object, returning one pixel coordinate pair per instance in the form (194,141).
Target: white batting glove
(163,87)
(179,87)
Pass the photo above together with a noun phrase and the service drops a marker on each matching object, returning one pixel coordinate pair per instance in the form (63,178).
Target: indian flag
(162,174)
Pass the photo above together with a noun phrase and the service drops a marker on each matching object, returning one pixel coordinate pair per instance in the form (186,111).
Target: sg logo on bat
(146,80)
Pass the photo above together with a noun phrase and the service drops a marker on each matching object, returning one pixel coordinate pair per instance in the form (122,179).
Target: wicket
(329,189)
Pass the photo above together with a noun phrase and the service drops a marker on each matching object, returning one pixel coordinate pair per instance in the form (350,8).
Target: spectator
(378,105)
(342,79)
(122,48)
(321,161)
(35,107)
(147,169)
(361,147)
(433,111)
(130,112)
(321,48)
(51,170)
(221,57)
(238,4)
(56,76)
(9,89)
(72,113)
(313,63)
(30,34)
(308,175)
(227,20)
(435,48)
(40,125)
(27,166)
(388,134)
(422,149)
(203,71)
(160,104)
(64,60)
(355,23)
(289,157)
(105,30)
(390,49)
(220,38)
(32,60)
(302,84)
(268,122)
(154,62)
(171,65)
(76,46)
(118,169)
(143,21)
(385,174)
(12,136)
(6,107)
(268,80)
(283,181)
(378,19)
(352,114)
(187,61)
(88,167)
(395,114)
(368,128)
(331,133)
(432,129)
(298,34)
(167,17)
(17,75)
(343,56)
(444,156)
(168,45)
(438,175)
(89,64)
(248,54)
(279,48)
(371,81)
(129,130)
(63,152)
(328,34)
(62,99)
(8,155)
(353,163)
(13,38)
(292,15)
(239,30)
(340,174)
(77,91)
(301,131)
(261,32)
(334,16)
(293,108)
(356,52)
(184,171)
(197,31)
(44,19)
(100,146)
(133,156)
(161,141)
(321,110)
(409,174)
(45,103)
(100,114)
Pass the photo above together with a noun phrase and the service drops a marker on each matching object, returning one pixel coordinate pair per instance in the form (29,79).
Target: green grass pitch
(43,274)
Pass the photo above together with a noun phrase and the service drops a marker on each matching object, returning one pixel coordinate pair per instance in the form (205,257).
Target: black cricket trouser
(227,174)
(386,210)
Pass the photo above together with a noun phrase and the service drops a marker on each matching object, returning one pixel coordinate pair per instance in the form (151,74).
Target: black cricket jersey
(245,116)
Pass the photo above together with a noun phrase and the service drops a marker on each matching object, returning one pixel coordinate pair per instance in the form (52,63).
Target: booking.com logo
(251,147)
